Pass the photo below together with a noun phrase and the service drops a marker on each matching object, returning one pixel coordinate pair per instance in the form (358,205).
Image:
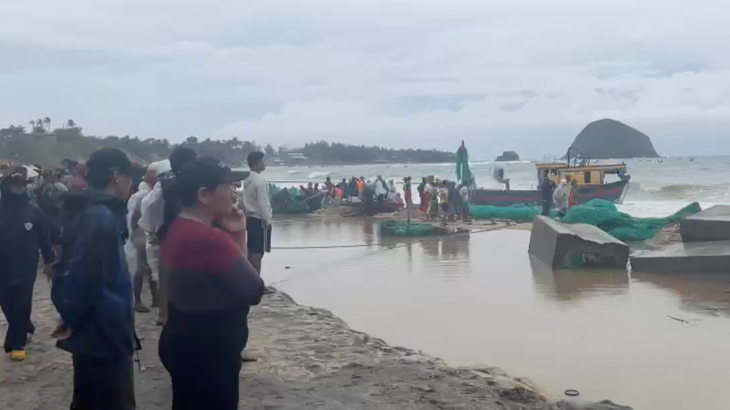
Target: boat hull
(613,192)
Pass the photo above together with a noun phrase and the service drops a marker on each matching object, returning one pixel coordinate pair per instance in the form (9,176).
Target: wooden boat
(590,179)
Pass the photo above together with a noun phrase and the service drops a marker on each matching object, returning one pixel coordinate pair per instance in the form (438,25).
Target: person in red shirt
(210,286)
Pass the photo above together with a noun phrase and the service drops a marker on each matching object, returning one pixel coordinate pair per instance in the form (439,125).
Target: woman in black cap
(23,231)
(210,286)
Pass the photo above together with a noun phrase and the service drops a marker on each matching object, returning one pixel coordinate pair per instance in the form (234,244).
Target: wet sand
(309,359)
(478,298)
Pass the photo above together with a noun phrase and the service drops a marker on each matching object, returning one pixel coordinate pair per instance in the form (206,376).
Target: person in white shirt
(154,207)
(138,242)
(464,203)
(257,207)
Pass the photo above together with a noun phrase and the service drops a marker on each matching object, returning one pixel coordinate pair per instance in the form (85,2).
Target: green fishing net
(287,201)
(622,226)
(402,228)
(515,213)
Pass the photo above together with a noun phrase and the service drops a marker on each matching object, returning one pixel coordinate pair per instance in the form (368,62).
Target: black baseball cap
(107,160)
(206,172)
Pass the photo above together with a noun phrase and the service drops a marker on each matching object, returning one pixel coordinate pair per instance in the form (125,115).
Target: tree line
(40,143)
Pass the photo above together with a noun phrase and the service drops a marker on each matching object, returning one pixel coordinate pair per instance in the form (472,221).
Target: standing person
(211,286)
(155,205)
(547,187)
(92,288)
(345,189)
(352,191)
(560,198)
(79,183)
(258,210)
(464,196)
(573,195)
(452,196)
(139,240)
(50,201)
(421,191)
(24,231)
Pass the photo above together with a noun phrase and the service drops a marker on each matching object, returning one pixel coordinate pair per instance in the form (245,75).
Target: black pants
(202,354)
(103,383)
(546,207)
(201,380)
(17,303)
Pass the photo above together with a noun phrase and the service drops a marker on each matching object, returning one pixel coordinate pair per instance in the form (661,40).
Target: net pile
(516,213)
(402,228)
(622,226)
(287,201)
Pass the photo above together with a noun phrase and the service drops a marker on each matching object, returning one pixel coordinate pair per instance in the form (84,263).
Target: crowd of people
(373,194)
(197,231)
(443,199)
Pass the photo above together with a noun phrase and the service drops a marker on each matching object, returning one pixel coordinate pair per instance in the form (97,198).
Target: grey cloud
(524,74)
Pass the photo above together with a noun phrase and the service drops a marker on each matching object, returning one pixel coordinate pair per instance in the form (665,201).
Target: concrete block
(686,258)
(551,242)
(712,224)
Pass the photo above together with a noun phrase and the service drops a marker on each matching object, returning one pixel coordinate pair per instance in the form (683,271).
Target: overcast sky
(519,74)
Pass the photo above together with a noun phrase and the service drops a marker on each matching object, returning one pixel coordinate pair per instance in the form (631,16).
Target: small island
(607,138)
(508,156)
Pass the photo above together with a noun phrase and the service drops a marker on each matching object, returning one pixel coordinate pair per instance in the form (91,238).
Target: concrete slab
(693,257)
(712,224)
(552,242)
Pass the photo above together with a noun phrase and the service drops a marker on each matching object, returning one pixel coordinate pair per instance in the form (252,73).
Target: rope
(363,245)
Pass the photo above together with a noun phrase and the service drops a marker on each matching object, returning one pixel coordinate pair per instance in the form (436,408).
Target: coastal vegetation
(39,142)
(607,138)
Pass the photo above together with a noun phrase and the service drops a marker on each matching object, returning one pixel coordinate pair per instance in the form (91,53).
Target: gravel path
(310,359)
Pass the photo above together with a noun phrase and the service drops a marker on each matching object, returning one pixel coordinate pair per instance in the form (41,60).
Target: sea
(659,187)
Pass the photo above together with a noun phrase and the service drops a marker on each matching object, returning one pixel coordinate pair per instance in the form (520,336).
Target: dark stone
(508,156)
(692,257)
(712,224)
(551,242)
(607,138)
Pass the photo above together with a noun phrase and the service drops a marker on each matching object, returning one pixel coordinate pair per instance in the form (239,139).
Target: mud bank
(309,359)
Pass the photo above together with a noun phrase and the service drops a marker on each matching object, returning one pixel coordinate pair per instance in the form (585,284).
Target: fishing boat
(590,178)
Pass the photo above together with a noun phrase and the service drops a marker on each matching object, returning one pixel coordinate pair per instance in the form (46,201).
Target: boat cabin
(584,175)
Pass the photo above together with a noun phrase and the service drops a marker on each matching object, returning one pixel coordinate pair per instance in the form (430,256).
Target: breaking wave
(691,192)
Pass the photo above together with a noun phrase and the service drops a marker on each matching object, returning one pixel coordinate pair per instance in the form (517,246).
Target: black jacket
(24,231)
(92,287)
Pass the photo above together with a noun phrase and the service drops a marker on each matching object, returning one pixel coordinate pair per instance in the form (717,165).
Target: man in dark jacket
(23,231)
(547,186)
(92,287)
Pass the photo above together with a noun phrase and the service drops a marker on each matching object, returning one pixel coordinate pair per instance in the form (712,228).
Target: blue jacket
(92,287)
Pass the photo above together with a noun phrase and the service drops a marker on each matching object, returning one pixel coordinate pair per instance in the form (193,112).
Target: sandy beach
(310,359)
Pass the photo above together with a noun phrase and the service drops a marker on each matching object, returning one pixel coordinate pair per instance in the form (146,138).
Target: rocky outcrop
(508,156)
(609,138)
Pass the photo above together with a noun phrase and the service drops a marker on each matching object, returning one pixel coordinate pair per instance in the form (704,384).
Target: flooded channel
(649,341)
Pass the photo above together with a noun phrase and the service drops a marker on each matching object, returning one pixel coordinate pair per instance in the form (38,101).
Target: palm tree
(70,123)
(47,122)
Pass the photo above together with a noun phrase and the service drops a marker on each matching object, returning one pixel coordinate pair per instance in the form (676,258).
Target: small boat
(590,178)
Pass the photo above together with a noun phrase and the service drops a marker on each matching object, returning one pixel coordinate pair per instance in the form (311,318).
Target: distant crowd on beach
(197,232)
(443,199)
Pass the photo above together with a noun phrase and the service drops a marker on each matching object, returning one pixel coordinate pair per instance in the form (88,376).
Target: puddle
(650,341)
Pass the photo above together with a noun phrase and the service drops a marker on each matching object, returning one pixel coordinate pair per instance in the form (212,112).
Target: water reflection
(704,294)
(480,299)
(575,284)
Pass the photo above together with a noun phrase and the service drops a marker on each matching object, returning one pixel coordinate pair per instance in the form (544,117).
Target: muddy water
(479,299)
